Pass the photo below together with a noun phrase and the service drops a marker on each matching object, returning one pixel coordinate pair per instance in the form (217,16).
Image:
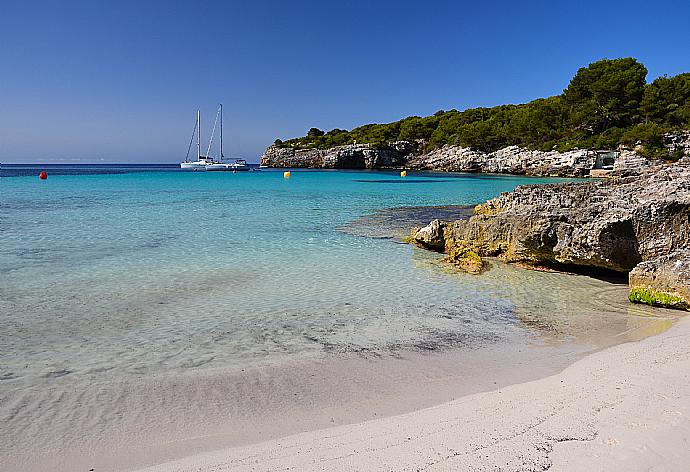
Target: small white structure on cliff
(605,159)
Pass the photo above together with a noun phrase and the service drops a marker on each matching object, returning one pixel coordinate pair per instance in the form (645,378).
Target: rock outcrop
(292,157)
(351,156)
(431,236)
(509,160)
(613,225)
(405,154)
(663,281)
(679,140)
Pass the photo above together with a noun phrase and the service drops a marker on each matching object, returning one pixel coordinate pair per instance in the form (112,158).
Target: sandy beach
(92,379)
(344,236)
(624,408)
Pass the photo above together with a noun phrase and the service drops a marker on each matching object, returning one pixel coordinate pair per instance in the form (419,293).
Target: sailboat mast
(198,135)
(221,131)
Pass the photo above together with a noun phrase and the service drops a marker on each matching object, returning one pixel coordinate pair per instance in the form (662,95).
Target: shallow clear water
(147,314)
(133,273)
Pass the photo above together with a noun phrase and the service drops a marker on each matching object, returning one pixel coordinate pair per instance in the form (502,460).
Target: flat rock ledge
(636,225)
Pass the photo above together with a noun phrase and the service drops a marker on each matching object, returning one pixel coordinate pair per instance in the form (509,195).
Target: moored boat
(208,163)
(237,165)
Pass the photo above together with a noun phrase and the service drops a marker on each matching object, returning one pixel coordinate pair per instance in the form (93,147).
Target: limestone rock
(465,259)
(292,157)
(678,140)
(613,225)
(631,163)
(663,281)
(508,160)
(430,236)
(351,156)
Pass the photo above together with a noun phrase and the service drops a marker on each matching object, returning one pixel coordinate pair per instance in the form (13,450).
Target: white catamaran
(208,163)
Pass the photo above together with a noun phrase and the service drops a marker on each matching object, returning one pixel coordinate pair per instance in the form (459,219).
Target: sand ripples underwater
(160,306)
(112,275)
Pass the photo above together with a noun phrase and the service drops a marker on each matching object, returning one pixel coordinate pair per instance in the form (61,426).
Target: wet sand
(122,425)
(122,422)
(624,408)
(134,423)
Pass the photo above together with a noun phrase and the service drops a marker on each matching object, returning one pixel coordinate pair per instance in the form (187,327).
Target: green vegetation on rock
(656,298)
(606,104)
(466,259)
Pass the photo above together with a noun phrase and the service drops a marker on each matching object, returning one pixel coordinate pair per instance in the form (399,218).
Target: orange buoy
(43,175)
(286,174)
(403,173)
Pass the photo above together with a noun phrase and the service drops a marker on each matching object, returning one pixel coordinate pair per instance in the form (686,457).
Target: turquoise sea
(147,313)
(129,271)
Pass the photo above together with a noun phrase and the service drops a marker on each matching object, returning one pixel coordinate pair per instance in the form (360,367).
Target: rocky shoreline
(508,160)
(405,154)
(637,225)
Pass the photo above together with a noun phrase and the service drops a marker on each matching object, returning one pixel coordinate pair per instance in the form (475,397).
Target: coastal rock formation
(612,225)
(509,160)
(679,140)
(431,236)
(465,259)
(663,281)
(516,160)
(351,156)
(292,157)
(631,163)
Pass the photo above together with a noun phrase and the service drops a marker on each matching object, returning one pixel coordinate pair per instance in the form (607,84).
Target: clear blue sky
(120,81)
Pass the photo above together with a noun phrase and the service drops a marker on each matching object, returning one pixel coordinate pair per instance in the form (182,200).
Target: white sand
(625,408)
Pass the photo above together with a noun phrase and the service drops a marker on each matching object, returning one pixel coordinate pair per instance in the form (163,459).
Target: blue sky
(120,81)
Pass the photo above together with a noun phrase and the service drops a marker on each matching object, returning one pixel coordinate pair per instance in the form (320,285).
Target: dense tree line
(605,105)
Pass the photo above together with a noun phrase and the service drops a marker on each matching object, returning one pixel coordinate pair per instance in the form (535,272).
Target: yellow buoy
(403,173)
(286,174)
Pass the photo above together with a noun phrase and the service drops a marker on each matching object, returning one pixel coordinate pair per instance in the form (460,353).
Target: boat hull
(193,166)
(226,168)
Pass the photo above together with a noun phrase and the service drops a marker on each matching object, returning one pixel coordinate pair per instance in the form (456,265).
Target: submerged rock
(465,259)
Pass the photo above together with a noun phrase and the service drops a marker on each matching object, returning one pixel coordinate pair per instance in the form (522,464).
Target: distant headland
(607,106)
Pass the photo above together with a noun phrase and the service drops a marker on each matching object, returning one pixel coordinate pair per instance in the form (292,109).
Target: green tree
(604,105)
(314,133)
(414,128)
(607,93)
(667,100)
(539,123)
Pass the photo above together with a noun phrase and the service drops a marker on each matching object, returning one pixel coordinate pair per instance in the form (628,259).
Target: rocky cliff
(637,224)
(509,160)
(405,154)
(680,140)
(353,156)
